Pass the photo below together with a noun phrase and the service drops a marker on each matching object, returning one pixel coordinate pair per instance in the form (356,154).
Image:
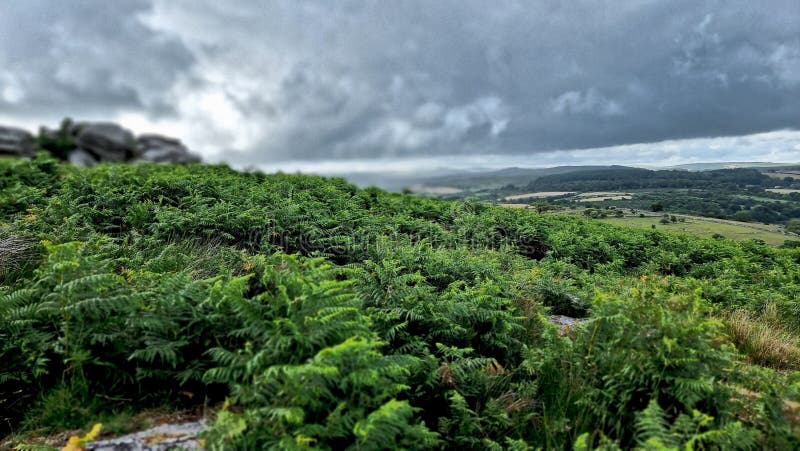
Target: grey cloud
(256,82)
(84,58)
(785,62)
(587,102)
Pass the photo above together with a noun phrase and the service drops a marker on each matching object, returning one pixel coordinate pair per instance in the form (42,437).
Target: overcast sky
(305,83)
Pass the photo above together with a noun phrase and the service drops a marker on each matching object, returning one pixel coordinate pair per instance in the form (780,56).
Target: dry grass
(764,339)
(538,195)
(602,198)
(599,196)
(514,205)
(14,253)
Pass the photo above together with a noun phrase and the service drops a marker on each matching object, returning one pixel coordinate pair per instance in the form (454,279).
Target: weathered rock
(173,154)
(165,437)
(565,323)
(106,141)
(149,140)
(16,141)
(81,157)
(164,149)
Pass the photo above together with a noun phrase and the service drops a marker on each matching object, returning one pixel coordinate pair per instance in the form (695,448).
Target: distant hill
(726,165)
(491,179)
(625,178)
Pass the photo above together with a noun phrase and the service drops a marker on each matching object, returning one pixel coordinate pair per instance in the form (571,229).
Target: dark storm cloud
(84,58)
(258,82)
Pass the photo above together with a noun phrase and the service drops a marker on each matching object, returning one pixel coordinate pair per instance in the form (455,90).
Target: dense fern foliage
(330,317)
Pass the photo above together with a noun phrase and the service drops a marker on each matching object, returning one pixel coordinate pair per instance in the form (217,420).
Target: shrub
(59,142)
(793,226)
(656,430)
(643,346)
(61,330)
(310,372)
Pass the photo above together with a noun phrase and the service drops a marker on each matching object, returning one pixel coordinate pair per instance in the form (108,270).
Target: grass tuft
(764,339)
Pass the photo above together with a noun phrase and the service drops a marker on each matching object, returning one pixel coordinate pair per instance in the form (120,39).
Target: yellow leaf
(76,443)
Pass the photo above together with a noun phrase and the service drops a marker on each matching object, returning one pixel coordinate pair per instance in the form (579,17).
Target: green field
(762,199)
(770,234)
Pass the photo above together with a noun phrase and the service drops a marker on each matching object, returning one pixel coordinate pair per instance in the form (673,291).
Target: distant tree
(793,226)
(657,207)
(542,206)
(58,142)
(743,216)
(791,244)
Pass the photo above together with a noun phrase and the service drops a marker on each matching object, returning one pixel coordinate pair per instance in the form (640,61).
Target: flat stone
(565,323)
(182,436)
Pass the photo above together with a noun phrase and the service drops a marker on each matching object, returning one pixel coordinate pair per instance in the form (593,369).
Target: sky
(410,85)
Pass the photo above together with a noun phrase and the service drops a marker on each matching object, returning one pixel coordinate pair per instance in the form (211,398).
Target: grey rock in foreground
(107,141)
(165,437)
(16,141)
(565,322)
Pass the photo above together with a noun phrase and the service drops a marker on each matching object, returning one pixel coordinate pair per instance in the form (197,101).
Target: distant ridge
(479,179)
(512,175)
(725,165)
